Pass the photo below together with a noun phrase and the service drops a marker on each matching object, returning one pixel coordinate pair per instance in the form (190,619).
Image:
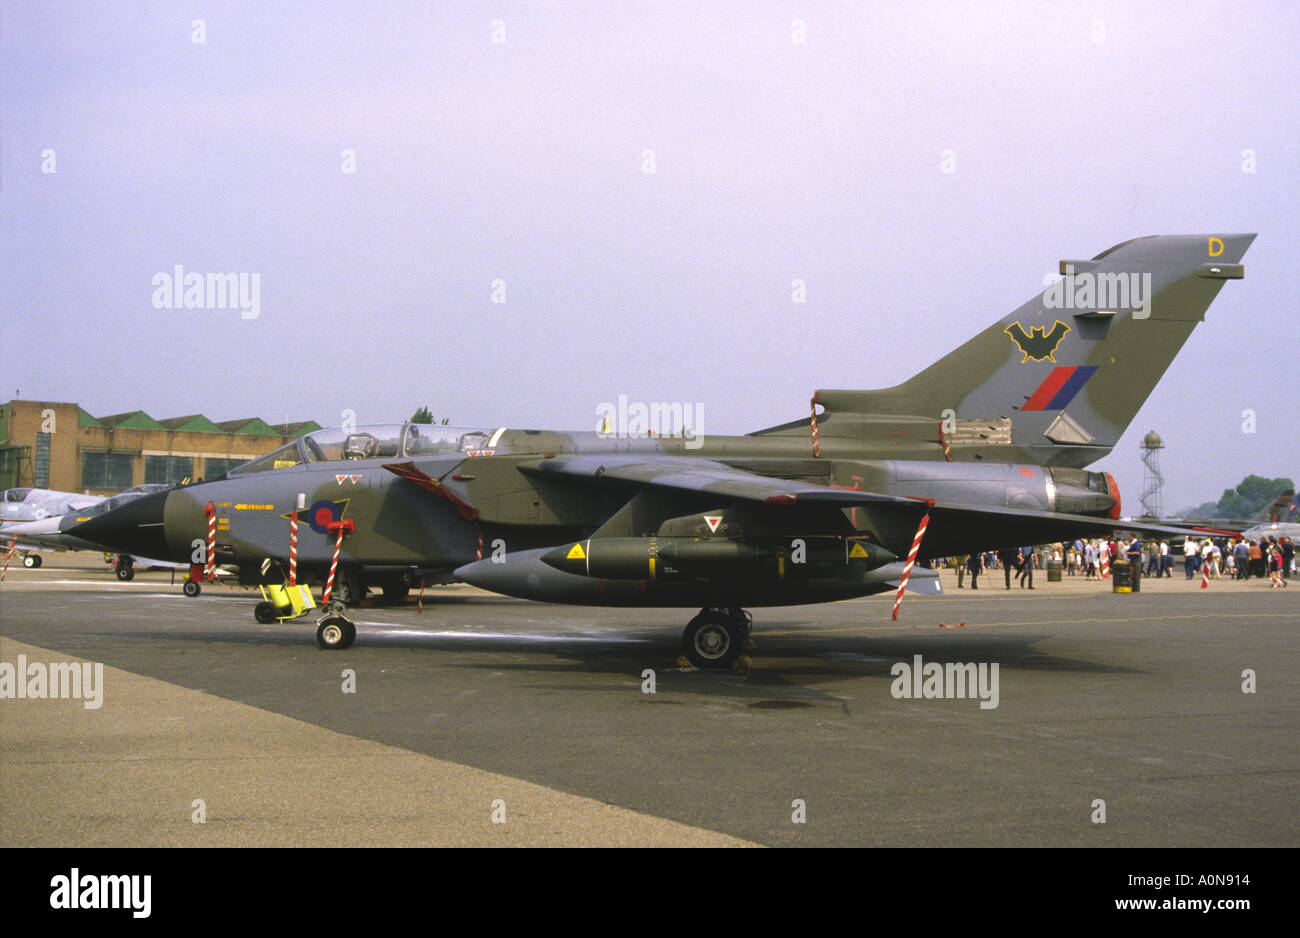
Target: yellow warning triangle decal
(575,553)
(858,551)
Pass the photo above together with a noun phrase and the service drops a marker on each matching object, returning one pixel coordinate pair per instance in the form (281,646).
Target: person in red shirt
(1275,564)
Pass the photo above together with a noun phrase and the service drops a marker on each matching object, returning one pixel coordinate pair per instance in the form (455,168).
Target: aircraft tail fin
(1281,509)
(1059,379)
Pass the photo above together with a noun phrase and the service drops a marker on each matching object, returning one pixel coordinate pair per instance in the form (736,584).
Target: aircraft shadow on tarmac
(788,671)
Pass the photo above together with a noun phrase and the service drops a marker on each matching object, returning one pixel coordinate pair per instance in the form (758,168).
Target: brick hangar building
(56,445)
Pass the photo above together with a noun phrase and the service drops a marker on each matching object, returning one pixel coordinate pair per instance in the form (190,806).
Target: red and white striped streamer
(816,437)
(911,556)
(209,572)
(293,549)
(299,506)
(334,565)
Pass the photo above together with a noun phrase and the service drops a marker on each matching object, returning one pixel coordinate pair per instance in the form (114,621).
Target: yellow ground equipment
(282,601)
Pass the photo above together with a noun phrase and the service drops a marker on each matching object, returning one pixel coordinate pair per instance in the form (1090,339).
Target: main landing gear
(124,567)
(716,637)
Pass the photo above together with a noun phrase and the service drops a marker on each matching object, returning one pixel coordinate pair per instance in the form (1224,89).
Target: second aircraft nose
(137,528)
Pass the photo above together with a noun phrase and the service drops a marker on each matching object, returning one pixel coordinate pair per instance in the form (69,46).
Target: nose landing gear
(336,632)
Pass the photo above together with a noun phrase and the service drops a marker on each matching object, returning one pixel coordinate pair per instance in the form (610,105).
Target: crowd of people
(1234,558)
(1241,559)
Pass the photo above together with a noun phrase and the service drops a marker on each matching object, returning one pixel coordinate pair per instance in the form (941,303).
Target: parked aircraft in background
(1281,519)
(47,532)
(31,504)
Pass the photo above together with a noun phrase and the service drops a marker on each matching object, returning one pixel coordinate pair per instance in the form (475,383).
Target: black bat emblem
(1037,343)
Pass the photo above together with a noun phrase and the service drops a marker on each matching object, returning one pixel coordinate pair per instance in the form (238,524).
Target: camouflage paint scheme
(996,434)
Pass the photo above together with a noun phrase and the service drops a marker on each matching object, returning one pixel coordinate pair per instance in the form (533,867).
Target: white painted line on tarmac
(395,629)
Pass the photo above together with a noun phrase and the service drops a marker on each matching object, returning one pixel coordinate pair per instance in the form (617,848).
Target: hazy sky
(790,140)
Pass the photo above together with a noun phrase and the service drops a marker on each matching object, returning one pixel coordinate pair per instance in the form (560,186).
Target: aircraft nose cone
(134,528)
(30,528)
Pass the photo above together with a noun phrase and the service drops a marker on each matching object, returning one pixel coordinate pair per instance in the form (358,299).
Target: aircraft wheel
(264,613)
(191,588)
(395,592)
(336,632)
(126,573)
(32,560)
(712,640)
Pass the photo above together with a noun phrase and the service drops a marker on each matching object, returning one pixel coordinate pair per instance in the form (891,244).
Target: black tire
(264,613)
(191,588)
(396,592)
(32,560)
(713,640)
(335,632)
(126,573)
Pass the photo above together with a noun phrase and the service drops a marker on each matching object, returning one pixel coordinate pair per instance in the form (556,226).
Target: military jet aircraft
(1280,519)
(984,449)
(1282,509)
(28,515)
(31,504)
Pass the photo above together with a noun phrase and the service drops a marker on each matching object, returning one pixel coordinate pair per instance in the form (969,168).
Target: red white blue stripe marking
(1060,387)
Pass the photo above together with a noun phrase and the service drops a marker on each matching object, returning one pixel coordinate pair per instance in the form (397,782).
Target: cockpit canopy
(146,488)
(120,499)
(393,441)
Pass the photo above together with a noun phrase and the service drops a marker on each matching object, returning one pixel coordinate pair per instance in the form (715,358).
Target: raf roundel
(324,513)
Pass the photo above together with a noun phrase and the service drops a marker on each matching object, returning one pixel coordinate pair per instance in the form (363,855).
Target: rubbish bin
(1120,577)
(1054,571)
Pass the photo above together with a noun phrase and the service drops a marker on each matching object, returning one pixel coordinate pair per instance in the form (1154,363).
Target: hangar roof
(135,420)
(195,423)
